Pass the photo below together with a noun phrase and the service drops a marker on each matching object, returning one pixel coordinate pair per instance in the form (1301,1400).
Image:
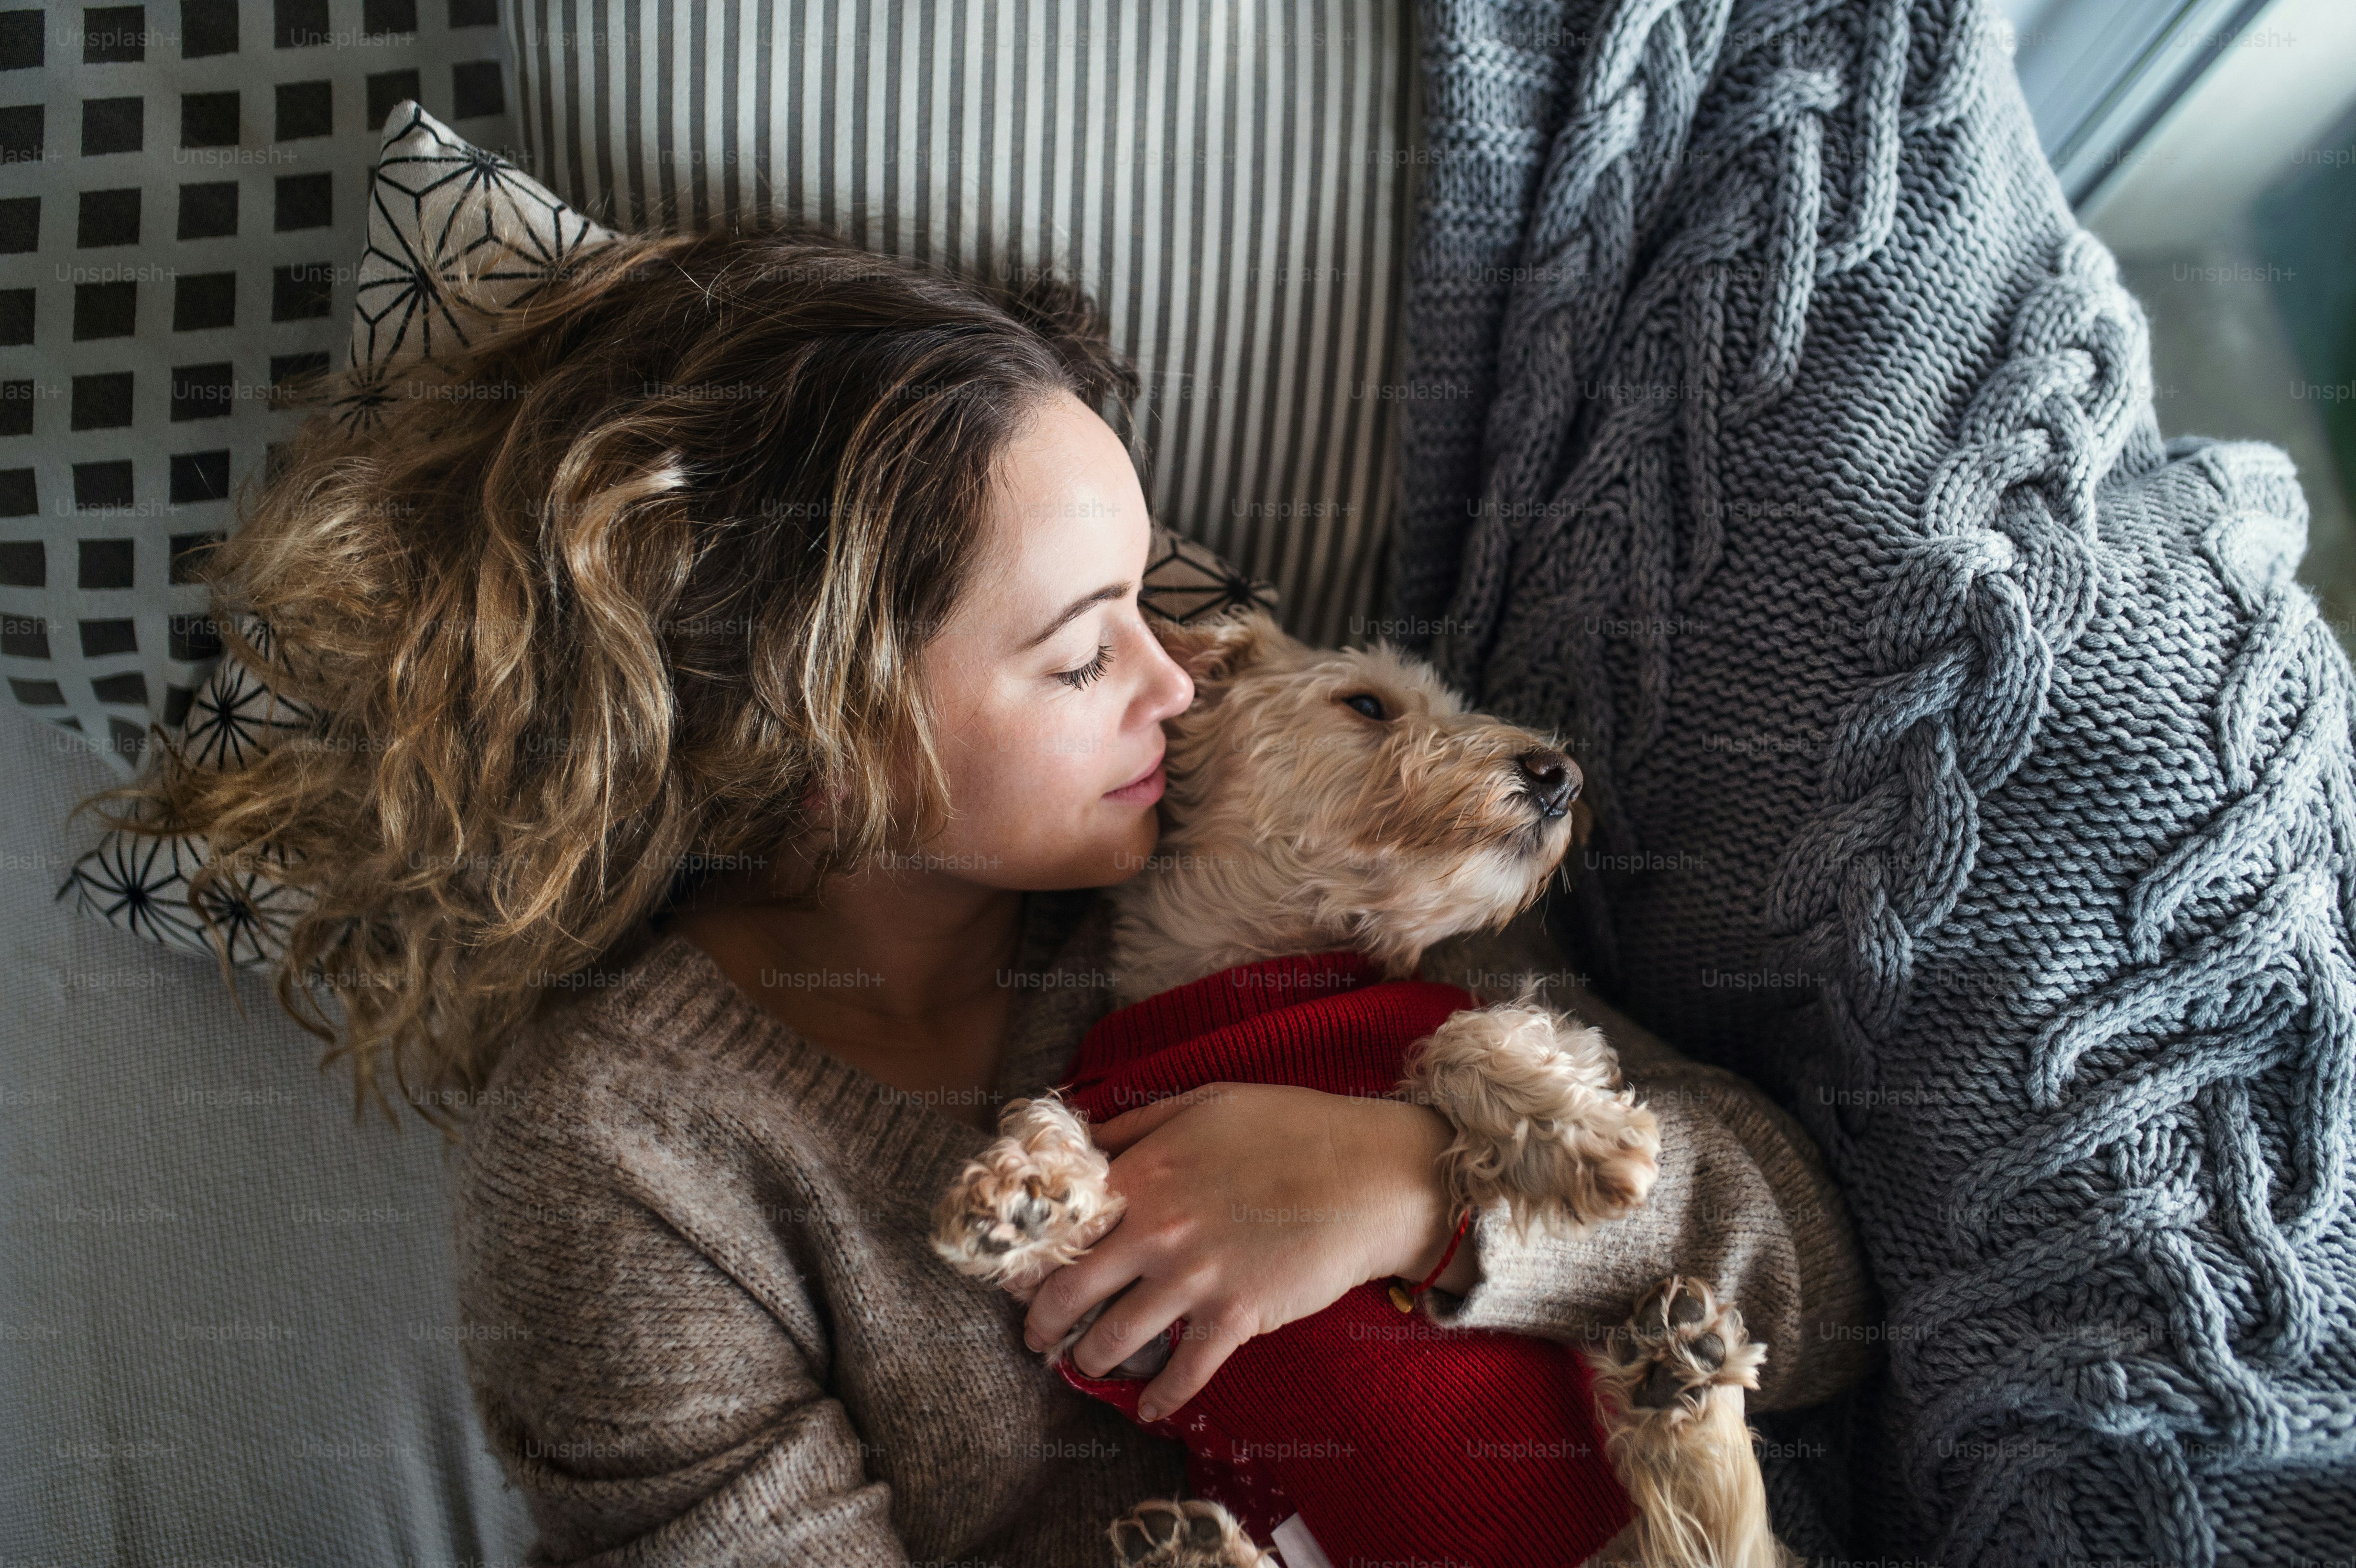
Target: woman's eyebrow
(1078,606)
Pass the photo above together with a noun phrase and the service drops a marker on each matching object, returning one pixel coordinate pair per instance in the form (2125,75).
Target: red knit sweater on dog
(1394,1439)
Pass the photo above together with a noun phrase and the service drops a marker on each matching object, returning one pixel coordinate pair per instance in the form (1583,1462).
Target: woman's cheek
(1029,762)
(1017,743)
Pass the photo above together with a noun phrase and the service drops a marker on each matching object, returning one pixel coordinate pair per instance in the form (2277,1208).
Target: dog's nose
(1553,780)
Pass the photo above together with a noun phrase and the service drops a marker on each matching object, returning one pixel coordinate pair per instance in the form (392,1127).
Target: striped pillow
(1231,183)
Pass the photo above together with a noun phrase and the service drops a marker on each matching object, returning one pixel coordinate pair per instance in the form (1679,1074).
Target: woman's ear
(817,805)
(1214,652)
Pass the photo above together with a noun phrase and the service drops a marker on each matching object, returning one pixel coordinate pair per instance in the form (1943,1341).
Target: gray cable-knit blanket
(1969,769)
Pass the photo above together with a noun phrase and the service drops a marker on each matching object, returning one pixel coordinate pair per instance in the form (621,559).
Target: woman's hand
(1249,1205)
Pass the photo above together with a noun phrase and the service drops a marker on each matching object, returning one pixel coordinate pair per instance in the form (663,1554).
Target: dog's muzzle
(1550,779)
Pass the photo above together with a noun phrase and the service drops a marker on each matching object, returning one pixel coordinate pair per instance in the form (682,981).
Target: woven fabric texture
(232,1334)
(1968,768)
(1230,182)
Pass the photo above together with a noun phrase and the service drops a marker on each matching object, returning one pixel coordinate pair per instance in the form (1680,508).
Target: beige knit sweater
(703,1325)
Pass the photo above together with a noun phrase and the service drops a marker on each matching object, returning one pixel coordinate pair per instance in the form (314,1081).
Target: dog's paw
(1032,1201)
(1668,1391)
(1190,1533)
(1680,1346)
(1617,1150)
(1542,1119)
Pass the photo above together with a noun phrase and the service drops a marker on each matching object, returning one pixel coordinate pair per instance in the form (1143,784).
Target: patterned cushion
(1230,182)
(440,204)
(181,193)
(437,202)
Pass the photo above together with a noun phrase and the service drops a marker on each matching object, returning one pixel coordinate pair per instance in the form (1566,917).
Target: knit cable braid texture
(1968,768)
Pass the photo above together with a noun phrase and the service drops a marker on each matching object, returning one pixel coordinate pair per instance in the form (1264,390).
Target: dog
(1321,800)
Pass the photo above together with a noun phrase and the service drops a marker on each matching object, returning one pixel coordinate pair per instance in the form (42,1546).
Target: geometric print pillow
(439,206)
(184,185)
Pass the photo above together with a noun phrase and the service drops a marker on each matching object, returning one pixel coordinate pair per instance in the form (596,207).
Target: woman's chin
(1111,854)
(1130,852)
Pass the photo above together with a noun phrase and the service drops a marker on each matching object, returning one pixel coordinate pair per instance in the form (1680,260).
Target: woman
(722,739)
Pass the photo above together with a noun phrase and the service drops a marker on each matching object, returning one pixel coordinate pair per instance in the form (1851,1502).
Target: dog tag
(1400,1298)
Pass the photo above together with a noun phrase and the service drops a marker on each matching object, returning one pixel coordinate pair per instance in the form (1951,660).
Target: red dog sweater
(1396,1440)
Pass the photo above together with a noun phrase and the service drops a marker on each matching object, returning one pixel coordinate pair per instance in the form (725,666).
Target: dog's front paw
(1032,1201)
(1541,1117)
(1190,1533)
(1680,1346)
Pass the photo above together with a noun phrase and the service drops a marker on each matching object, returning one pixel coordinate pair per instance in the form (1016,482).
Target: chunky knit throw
(1393,1440)
(1968,768)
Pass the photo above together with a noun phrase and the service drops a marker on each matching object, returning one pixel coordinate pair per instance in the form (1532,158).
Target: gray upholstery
(225,1311)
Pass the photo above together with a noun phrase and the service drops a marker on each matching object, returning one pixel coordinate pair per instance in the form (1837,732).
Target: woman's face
(1046,688)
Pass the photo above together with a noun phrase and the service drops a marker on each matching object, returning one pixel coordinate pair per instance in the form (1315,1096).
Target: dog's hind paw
(1679,1345)
(1184,1534)
(1669,1393)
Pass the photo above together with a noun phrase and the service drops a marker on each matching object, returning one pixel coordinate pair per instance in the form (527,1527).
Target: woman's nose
(1180,696)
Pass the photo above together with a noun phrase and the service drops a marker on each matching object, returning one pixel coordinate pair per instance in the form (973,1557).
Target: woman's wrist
(1416,1135)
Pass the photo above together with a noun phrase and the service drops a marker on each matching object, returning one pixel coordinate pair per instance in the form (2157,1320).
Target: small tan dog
(1323,799)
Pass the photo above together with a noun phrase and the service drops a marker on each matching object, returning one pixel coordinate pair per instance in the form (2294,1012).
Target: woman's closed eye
(1088,671)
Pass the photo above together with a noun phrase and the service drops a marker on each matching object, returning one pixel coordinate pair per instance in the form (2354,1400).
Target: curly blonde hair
(604,600)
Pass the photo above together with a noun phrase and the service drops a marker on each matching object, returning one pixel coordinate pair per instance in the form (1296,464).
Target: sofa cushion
(438,203)
(1231,183)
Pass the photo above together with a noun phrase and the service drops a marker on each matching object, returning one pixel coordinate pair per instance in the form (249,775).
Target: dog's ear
(1214,652)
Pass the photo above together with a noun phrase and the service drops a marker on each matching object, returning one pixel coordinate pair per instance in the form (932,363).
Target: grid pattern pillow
(183,185)
(1230,182)
(437,202)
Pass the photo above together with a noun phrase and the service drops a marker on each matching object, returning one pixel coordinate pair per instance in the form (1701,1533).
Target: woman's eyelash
(1088,671)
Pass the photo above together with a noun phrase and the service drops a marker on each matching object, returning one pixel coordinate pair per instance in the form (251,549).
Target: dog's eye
(1368,703)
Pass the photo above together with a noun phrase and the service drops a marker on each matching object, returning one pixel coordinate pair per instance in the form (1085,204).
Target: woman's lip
(1138,785)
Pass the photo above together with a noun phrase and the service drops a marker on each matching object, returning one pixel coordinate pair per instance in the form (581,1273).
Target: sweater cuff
(1552,1285)
(1743,1199)
(1736,1203)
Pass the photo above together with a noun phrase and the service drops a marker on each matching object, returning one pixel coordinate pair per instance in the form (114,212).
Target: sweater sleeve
(656,1397)
(1744,1200)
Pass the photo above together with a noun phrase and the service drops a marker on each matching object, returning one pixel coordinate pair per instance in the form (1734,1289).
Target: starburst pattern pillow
(439,207)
